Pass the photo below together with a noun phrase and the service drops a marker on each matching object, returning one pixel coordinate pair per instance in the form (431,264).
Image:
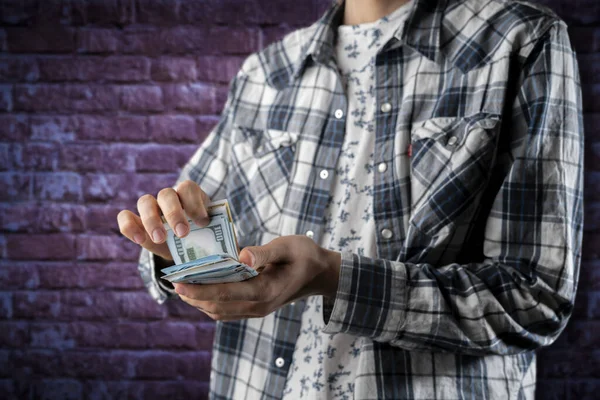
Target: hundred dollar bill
(207,254)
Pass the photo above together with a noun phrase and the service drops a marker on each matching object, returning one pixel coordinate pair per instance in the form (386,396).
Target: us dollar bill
(207,254)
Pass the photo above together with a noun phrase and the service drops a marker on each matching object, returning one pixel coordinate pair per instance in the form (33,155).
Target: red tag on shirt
(409,150)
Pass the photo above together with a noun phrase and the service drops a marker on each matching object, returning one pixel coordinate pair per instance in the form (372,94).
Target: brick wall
(102,101)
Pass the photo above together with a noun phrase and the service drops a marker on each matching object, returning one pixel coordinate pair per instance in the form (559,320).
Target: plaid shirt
(479,209)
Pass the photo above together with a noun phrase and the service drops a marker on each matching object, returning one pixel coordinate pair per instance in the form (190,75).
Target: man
(410,176)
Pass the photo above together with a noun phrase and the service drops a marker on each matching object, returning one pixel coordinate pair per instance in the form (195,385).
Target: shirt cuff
(370,299)
(150,273)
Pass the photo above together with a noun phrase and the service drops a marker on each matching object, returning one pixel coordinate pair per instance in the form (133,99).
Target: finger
(150,216)
(132,228)
(259,256)
(255,289)
(129,227)
(194,202)
(170,205)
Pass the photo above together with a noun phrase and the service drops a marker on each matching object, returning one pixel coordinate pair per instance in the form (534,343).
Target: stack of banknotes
(209,254)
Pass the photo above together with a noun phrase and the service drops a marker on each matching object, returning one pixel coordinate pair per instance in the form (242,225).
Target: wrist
(332,275)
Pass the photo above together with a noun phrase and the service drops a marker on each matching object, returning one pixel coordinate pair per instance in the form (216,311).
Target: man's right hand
(147,230)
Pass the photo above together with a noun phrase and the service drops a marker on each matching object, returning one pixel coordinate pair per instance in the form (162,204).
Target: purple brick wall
(102,101)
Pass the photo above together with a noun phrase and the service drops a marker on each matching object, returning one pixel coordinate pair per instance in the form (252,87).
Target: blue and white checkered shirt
(478,210)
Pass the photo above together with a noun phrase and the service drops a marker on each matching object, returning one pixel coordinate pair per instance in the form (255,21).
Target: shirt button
(382,167)
(452,140)
(324,174)
(386,233)
(339,113)
(280,362)
(310,234)
(386,107)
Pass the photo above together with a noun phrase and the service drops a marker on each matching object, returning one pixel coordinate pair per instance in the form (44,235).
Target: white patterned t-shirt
(323,364)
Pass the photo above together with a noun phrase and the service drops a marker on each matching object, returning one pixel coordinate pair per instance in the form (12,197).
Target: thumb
(259,256)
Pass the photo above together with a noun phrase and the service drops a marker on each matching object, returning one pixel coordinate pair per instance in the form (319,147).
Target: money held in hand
(209,254)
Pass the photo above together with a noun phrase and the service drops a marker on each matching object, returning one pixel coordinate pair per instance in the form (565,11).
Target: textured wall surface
(102,101)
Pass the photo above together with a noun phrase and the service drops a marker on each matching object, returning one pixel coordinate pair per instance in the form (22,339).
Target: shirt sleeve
(208,168)
(521,296)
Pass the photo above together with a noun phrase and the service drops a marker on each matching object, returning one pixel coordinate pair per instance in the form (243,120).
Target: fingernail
(252,259)
(181,229)
(158,235)
(138,238)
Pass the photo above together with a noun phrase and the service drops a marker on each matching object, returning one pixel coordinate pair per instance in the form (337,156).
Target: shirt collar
(421,32)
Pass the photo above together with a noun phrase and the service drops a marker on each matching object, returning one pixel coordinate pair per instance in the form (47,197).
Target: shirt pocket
(450,166)
(262,163)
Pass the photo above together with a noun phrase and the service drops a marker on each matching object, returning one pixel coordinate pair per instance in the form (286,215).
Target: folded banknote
(208,254)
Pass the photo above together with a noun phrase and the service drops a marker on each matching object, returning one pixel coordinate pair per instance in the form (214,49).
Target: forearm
(472,309)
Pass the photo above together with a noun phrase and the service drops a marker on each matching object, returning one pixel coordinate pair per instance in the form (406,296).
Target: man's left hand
(293,267)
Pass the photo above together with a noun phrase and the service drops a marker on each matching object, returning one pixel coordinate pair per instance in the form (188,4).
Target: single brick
(98,40)
(54,246)
(115,68)
(14,334)
(103,365)
(161,12)
(62,218)
(219,69)
(171,365)
(55,129)
(228,40)
(131,129)
(35,156)
(16,186)
(60,68)
(55,39)
(101,218)
(60,186)
(140,305)
(131,335)
(18,275)
(97,247)
(174,69)
(50,335)
(118,275)
(37,304)
(166,334)
(173,158)
(185,39)
(37,362)
(172,128)
(142,98)
(104,187)
(61,98)
(13,127)
(109,12)
(196,97)
(142,40)
(18,69)
(93,334)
